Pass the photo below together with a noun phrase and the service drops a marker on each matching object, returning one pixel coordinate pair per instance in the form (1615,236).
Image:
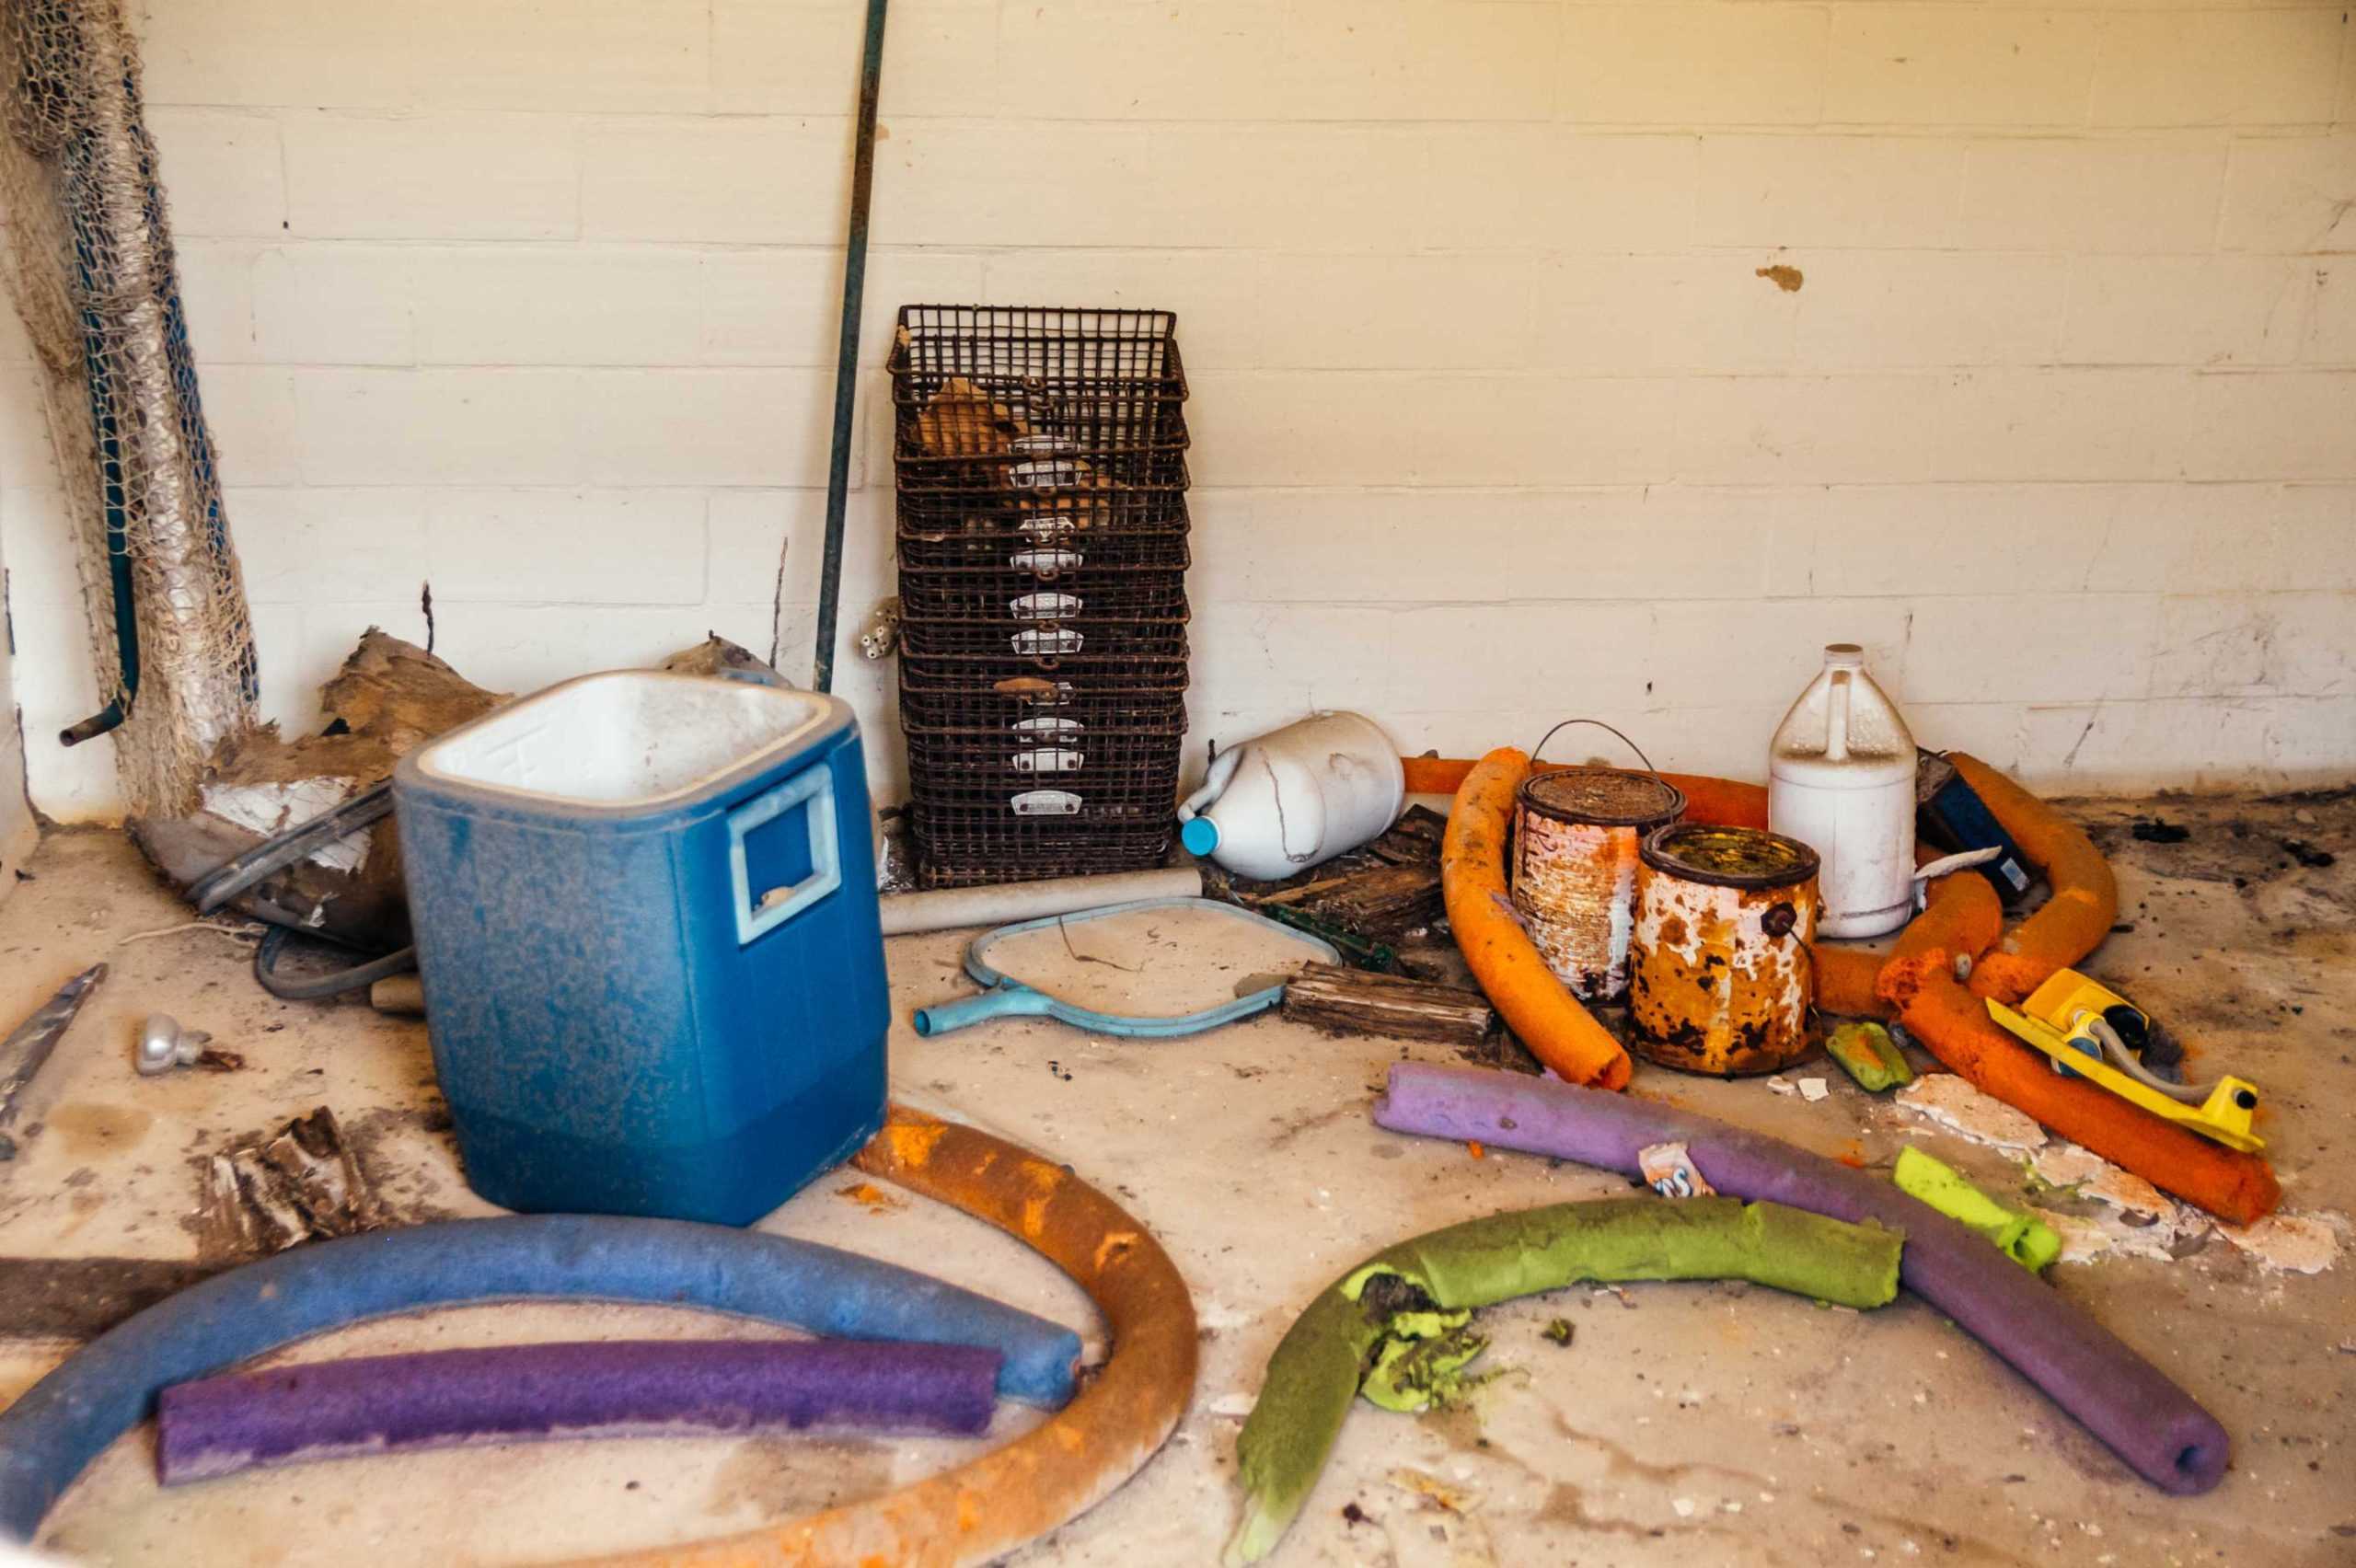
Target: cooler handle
(757,914)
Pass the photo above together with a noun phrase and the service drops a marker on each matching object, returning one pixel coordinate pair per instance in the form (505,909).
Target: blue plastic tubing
(67,1419)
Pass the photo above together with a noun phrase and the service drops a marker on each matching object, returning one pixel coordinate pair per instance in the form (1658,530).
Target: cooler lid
(628,741)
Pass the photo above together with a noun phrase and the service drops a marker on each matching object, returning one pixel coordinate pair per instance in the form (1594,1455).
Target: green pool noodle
(2023,1238)
(1332,1347)
(1868,1055)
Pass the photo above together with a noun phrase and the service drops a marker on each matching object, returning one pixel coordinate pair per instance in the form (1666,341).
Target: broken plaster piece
(2295,1243)
(2062,1164)
(1952,1102)
(1814,1089)
(2089,1239)
(2148,1223)
(1778,1084)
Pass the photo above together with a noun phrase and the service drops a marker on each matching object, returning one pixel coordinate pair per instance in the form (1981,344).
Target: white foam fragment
(1814,1090)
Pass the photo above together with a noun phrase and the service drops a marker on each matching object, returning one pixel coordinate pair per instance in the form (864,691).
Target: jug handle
(1836,729)
(1215,783)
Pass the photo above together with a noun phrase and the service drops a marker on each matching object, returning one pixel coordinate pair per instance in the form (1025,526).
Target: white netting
(95,280)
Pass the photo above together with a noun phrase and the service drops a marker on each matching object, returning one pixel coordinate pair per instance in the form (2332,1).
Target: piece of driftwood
(1390,1005)
(294,1184)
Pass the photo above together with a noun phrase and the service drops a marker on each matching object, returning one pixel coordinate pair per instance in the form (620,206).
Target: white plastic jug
(1841,779)
(1295,796)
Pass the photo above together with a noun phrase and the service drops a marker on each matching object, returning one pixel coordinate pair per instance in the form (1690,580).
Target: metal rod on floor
(863,187)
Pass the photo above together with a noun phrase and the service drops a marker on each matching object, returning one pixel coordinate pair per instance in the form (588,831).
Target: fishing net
(93,276)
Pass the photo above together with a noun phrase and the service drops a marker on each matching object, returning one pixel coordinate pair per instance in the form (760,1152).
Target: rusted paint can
(1723,978)
(1576,835)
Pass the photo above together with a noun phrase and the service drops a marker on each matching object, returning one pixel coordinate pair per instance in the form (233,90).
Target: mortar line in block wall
(1912,130)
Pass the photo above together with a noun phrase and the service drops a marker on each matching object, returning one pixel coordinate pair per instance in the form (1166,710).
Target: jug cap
(1200,835)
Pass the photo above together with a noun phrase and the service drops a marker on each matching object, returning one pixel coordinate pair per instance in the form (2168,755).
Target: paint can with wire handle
(1722,977)
(1577,832)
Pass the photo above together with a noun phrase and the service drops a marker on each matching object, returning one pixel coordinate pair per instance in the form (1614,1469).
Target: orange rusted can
(1576,835)
(1722,978)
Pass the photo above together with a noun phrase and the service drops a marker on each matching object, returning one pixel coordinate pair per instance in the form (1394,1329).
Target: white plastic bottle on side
(1841,779)
(1295,796)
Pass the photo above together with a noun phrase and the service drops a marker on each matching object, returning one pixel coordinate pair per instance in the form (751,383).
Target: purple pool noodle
(2122,1399)
(373,1404)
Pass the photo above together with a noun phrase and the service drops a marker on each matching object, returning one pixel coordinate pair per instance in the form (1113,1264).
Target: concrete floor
(1686,1425)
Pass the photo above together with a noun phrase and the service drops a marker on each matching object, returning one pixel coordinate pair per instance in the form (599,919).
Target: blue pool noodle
(67,1419)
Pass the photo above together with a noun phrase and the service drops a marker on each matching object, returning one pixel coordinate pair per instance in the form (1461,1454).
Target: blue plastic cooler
(647,926)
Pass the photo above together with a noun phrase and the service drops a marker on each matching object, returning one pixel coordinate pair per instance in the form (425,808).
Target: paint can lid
(1603,797)
(1728,857)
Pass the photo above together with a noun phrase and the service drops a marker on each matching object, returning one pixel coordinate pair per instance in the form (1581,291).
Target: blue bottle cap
(1200,835)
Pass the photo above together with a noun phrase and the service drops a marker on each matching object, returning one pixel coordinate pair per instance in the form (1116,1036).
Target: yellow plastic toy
(2079,1024)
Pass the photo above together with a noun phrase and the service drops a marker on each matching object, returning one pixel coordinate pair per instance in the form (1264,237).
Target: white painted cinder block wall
(18,832)
(1497,418)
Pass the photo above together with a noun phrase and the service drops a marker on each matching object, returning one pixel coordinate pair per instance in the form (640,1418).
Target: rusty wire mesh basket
(991,712)
(1082,595)
(952,855)
(1127,529)
(1039,459)
(965,675)
(998,397)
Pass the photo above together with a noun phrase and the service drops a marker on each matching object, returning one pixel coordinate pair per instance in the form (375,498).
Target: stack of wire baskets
(1040,460)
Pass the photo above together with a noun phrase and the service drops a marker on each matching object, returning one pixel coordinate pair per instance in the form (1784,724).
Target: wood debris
(1414,839)
(1388,1005)
(1381,901)
(298,1182)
